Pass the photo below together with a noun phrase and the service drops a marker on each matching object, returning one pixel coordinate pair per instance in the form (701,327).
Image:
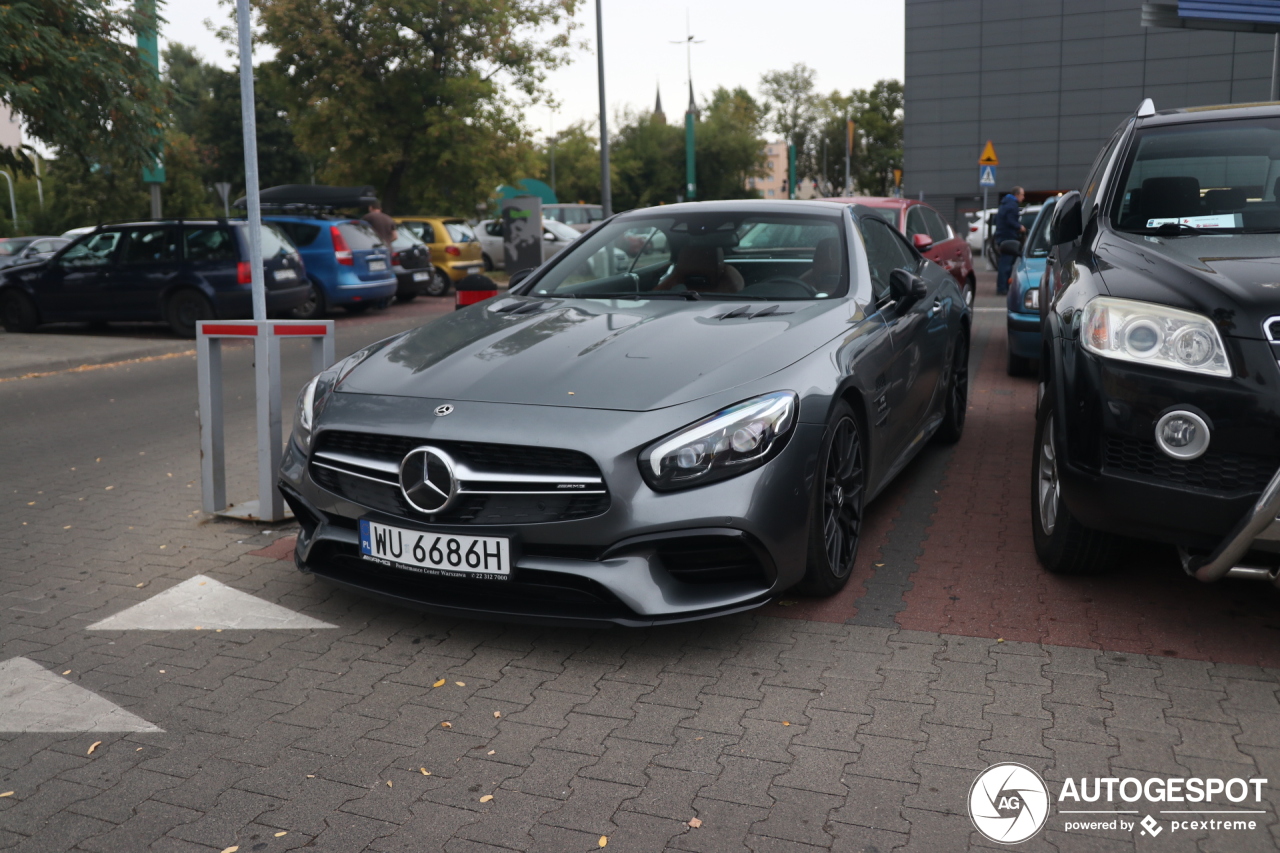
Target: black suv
(180,272)
(1159,414)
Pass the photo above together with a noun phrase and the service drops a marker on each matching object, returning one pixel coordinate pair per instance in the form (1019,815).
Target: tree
(791,105)
(647,160)
(878,115)
(414,97)
(577,163)
(66,67)
(728,149)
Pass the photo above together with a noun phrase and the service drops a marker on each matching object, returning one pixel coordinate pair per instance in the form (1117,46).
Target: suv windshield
(729,254)
(1217,175)
(1038,242)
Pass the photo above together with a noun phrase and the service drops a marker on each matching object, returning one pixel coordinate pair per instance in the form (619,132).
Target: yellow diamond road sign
(989,157)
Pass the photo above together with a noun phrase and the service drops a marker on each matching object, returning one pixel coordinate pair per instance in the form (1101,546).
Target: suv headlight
(731,442)
(1147,333)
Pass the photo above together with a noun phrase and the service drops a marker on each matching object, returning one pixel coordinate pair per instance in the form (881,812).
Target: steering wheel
(809,289)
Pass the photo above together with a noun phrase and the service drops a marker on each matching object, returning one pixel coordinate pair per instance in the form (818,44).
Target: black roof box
(312,195)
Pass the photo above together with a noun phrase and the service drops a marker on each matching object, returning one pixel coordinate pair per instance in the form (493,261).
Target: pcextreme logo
(1008,802)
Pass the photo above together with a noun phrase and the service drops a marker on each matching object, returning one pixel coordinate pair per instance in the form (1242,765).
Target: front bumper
(458,270)
(238,304)
(629,564)
(1259,527)
(1024,334)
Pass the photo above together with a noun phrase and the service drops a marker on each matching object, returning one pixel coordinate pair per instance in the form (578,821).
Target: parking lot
(309,717)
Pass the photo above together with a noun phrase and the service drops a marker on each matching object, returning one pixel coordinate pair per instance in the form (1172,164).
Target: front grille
(1215,470)
(384,495)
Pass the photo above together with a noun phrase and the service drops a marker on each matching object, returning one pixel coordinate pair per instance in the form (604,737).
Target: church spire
(659,117)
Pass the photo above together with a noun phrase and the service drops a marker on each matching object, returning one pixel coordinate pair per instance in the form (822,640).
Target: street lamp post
(13,206)
(249,122)
(690,116)
(606,191)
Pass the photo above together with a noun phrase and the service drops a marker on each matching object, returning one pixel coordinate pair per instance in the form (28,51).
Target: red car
(928,232)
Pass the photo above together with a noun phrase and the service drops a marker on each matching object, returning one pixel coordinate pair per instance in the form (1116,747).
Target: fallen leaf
(497,714)
(310,776)
(388,783)
(1000,640)
(491,752)
(99,459)
(108,488)
(281,834)
(31,503)
(162,672)
(68,527)
(460,683)
(425,772)
(879,564)
(694,823)
(140,585)
(486,798)
(96,744)
(68,672)
(446,725)
(234,847)
(217,630)
(785,723)
(7,794)
(604,841)
(439,683)
(162,547)
(139,749)
(202,583)
(199,628)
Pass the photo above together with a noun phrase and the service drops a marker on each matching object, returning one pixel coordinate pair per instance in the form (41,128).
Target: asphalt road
(291,714)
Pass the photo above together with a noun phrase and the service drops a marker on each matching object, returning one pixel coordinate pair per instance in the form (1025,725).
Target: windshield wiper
(688,295)
(1170,229)
(1261,231)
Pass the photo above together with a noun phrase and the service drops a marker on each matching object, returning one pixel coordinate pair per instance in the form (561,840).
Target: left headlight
(1148,333)
(731,442)
(1031,299)
(304,414)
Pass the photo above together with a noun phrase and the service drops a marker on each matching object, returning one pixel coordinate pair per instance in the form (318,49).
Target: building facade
(1047,81)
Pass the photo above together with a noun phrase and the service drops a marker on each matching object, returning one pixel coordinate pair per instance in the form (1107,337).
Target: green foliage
(647,162)
(577,150)
(878,116)
(67,68)
(727,143)
(406,95)
(792,108)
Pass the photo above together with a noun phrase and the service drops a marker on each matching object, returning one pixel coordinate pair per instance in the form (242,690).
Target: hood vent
(521,307)
(745,313)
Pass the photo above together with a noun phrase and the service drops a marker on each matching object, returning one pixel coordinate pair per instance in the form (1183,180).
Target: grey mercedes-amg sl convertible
(678,417)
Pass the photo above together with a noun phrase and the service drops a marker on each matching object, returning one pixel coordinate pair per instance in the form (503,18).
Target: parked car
(21,250)
(930,234)
(1023,320)
(347,265)
(489,233)
(455,251)
(734,393)
(411,262)
(1160,412)
(579,217)
(72,233)
(976,222)
(179,272)
(556,237)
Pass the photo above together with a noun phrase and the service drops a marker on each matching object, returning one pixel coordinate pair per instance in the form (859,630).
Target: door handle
(937,306)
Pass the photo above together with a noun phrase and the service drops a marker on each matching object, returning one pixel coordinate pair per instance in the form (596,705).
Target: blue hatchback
(346,263)
(1024,296)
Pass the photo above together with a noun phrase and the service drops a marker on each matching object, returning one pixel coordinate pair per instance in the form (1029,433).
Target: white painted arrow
(205,603)
(33,699)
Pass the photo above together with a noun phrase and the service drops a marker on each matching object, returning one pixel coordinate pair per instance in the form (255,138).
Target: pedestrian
(1008,227)
(384,226)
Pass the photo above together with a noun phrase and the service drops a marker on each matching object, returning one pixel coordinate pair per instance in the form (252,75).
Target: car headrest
(1170,196)
(1216,201)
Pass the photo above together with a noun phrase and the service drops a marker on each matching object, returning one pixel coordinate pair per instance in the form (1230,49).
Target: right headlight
(1031,299)
(1148,333)
(731,442)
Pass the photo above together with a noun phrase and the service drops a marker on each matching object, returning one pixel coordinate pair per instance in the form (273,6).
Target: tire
(438,286)
(184,309)
(406,295)
(1063,545)
(836,505)
(357,308)
(970,291)
(315,308)
(488,262)
(989,252)
(957,405)
(1016,365)
(17,312)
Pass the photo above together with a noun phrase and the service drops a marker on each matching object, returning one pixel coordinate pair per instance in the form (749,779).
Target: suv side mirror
(907,287)
(922,241)
(1067,224)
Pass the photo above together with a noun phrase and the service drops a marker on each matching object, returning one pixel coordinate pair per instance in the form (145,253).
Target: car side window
(885,253)
(916,223)
(494,228)
(1096,173)
(938,229)
(423,230)
(151,246)
(210,243)
(94,251)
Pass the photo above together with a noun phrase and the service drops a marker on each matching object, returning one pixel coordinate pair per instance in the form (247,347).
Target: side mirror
(922,241)
(517,277)
(1067,224)
(908,288)
(1011,247)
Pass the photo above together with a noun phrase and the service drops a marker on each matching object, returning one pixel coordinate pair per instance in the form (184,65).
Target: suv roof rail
(1146,108)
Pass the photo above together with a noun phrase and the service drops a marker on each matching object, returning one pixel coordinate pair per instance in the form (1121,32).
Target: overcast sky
(851,44)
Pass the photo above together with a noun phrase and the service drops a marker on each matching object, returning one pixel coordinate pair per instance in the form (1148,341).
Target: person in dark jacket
(1008,227)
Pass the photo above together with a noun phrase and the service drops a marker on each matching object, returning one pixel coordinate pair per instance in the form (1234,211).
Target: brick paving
(853,724)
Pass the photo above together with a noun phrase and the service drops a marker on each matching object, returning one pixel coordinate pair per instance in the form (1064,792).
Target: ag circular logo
(427,479)
(1008,802)
(446,409)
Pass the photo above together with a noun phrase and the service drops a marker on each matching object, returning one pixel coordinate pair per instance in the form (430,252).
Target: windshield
(1220,176)
(729,255)
(1038,240)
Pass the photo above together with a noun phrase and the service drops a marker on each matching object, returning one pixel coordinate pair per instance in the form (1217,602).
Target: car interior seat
(1225,201)
(1170,197)
(702,268)
(825,272)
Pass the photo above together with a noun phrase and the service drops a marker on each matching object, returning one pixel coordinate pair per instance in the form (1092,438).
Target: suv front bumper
(1258,527)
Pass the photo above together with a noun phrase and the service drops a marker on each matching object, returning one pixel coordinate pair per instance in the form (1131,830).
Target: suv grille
(1218,471)
(382,490)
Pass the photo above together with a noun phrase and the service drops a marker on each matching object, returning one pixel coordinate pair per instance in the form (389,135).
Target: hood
(620,355)
(1232,278)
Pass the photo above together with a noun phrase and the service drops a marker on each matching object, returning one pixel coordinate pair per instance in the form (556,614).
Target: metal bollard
(474,288)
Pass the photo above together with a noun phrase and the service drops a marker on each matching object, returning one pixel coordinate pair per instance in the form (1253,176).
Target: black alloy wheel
(957,406)
(185,309)
(488,262)
(17,312)
(314,308)
(835,526)
(1063,545)
(438,285)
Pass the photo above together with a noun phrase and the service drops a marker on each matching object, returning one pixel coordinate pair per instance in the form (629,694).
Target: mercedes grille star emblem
(427,480)
(441,411)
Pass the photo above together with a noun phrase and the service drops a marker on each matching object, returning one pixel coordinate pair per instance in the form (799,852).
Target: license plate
(285,275)
(421,276)
(487,557)
(474,270)
(377,266)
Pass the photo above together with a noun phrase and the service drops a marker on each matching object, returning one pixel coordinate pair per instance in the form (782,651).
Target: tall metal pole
(848,151)
(606,191)
(149,50)
(13,206)
(248,118)
(1275,68)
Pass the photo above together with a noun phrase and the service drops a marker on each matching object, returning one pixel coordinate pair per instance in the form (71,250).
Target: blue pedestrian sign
(986,176)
